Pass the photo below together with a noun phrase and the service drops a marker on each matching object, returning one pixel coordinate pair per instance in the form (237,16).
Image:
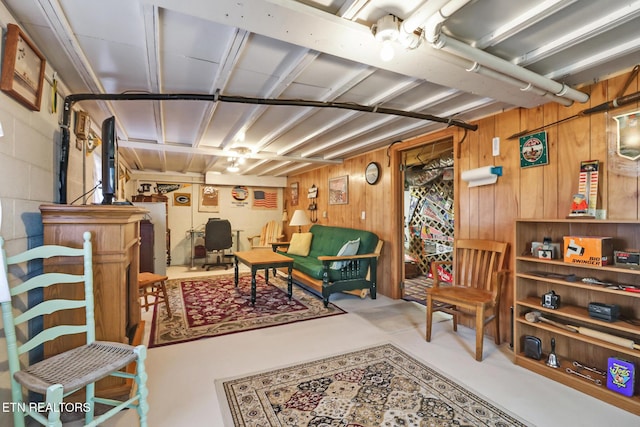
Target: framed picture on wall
(628,135)
(533,150)
(339,190)
(208,200)
(294,194)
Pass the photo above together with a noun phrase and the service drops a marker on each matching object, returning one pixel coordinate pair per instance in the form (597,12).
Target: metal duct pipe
(479,69)
(438,40)
(423,13)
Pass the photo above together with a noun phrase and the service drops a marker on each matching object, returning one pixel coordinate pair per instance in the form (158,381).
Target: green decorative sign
(533,150)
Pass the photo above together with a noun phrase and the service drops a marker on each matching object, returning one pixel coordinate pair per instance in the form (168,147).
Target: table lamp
(299,219)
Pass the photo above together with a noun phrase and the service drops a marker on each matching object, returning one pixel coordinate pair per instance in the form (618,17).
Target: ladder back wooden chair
(478,278)
(271,232)
(58,376)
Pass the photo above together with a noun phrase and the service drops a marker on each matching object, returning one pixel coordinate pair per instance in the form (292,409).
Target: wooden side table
(263,259)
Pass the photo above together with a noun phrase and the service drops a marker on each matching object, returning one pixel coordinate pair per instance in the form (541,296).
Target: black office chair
(218,238)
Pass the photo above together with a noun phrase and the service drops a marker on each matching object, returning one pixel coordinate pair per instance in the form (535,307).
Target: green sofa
(314,270)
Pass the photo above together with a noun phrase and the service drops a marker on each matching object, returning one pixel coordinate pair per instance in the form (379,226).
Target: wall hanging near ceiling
(294,194)
(208,200)
(22,69)
(181,199)
(312,195)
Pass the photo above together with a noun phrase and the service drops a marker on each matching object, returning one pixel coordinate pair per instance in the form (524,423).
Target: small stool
(150,284)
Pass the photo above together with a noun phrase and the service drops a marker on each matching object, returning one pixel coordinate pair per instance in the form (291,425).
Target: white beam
(302,25)
(211,151)
(248,180)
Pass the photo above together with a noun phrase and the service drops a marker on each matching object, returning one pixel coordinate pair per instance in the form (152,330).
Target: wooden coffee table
(263,259)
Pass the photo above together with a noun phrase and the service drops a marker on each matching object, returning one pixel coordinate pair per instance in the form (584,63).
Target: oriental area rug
(378,386)
(206,307)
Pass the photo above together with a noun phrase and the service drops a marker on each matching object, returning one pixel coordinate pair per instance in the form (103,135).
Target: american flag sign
(265,199)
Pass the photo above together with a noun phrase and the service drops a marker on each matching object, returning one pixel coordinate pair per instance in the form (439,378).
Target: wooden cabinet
(535,277)
(115,236)
(146,247)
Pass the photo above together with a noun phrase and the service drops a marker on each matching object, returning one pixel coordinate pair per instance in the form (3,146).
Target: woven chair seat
(78,367)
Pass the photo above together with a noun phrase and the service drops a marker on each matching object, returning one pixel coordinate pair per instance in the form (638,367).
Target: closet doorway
(428,212)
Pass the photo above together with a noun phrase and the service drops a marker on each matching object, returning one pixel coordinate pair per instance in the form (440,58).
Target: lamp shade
(299,218)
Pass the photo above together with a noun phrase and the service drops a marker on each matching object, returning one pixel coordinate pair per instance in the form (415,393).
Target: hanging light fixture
(386,31)
(233,166)
(238,157)
(390,32)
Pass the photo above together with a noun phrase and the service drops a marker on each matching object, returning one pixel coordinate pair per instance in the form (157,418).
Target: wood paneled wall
(488,211)
(373,200)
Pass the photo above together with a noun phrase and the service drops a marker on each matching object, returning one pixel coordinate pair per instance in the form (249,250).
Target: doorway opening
(428,213)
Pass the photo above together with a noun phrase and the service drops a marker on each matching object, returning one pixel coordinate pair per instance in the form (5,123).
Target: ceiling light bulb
(241,160)
(387,52)
(233,168)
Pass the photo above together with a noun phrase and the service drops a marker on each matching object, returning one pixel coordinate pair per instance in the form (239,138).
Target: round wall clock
(372,173)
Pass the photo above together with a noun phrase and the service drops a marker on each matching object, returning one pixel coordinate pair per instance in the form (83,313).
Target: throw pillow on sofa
(300,244)
(349,248)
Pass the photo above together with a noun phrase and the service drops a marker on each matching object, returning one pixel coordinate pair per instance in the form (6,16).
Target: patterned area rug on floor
(210,306)
(379,386)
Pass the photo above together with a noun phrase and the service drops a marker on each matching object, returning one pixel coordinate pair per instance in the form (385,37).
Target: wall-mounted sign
(533,150)
(181,199)
(240,192)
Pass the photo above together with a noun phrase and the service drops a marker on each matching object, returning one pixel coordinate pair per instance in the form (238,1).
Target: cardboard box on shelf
(589,250)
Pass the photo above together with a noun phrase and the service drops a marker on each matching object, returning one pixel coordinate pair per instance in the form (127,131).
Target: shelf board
(578,221)
(631,404)
(577,284)
(580,314)
(557,262)
(579,337)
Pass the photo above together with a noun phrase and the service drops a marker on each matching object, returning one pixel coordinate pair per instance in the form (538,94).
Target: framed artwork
(628,135)
(22,69)
(339,190)
(208,200)
(83,125)
(294,194)
(533,150)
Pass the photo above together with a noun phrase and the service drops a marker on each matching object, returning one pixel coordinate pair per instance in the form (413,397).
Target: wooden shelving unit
(531,282)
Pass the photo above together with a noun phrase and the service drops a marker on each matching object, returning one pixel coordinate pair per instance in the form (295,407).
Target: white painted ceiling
(314,51)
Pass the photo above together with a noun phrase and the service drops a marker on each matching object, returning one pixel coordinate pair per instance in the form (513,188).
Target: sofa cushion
(349,248)
(300,244)
(328,240)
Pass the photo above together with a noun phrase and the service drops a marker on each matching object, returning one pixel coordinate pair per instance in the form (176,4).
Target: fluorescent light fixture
(1,131)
